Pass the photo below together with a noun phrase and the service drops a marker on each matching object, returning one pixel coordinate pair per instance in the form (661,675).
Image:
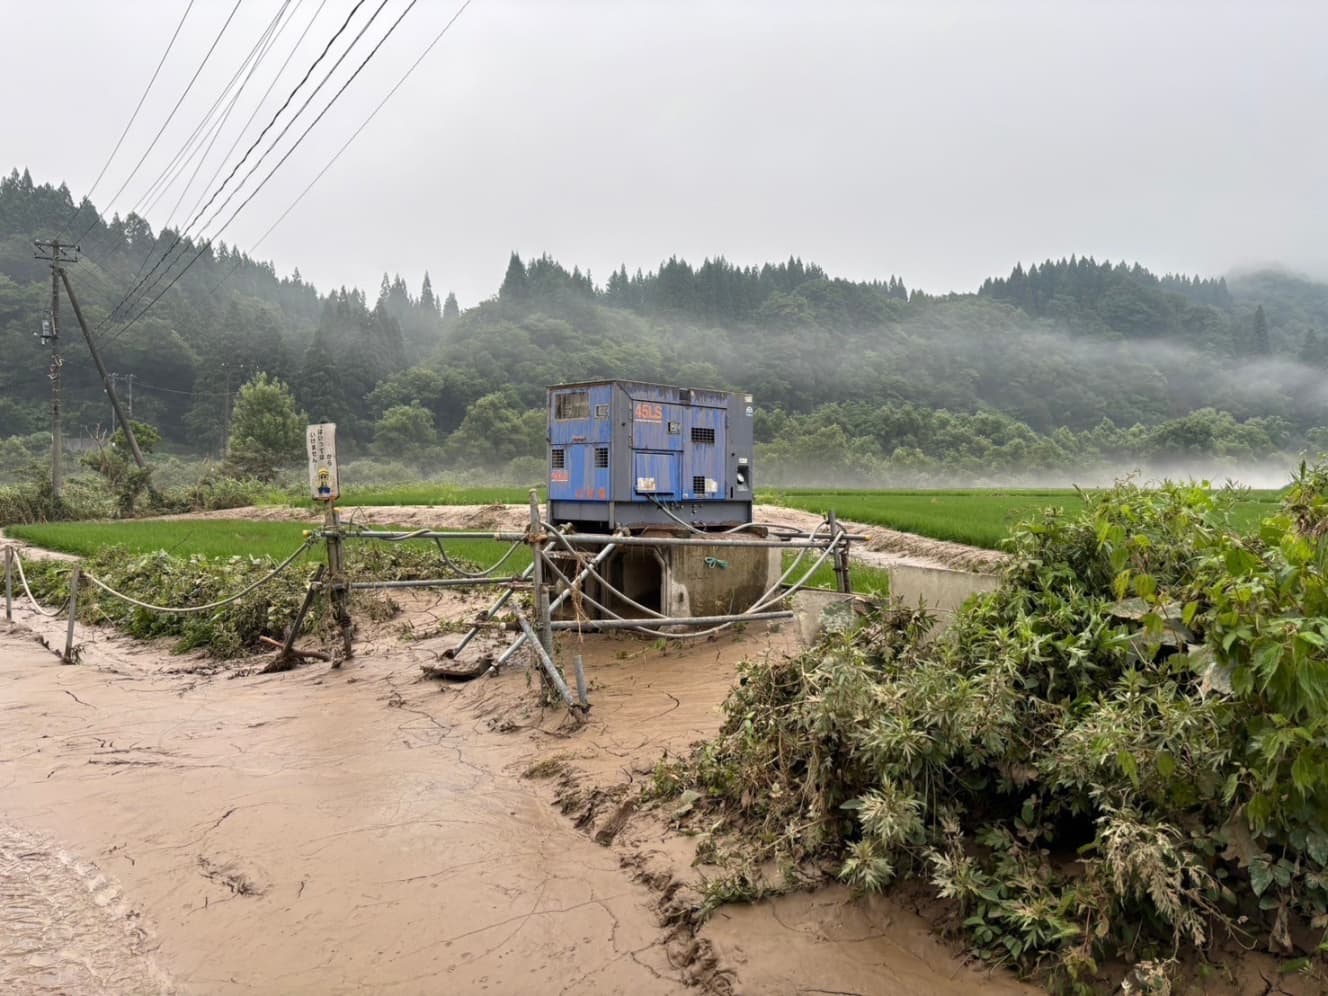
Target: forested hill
(1055,365)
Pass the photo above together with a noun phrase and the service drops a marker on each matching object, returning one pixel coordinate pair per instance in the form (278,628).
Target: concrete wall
(700,589)
(941,590)
(678,581)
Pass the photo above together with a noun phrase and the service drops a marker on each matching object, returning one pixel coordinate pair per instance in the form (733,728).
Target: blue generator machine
(624,454)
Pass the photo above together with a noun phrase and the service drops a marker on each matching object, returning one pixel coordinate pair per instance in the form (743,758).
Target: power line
(266,128)
(174,390)
(153,144)
(148,199)
(256,55)
(208,244)
(356,134)
(132,118)
(307,101)
(221,163)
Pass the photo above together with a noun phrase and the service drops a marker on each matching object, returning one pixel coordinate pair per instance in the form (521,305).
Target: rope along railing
(208,607)
(12,551)
(14,561)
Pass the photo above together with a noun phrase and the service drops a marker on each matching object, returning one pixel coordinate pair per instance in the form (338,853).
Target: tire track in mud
(67,927)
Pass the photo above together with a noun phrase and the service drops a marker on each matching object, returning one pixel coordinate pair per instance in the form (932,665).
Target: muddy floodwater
(364,830)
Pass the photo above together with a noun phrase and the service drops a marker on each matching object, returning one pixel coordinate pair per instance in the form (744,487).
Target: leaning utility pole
(55,252)
(125,424)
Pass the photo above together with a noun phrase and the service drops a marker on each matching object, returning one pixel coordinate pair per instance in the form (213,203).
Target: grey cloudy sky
(939,141)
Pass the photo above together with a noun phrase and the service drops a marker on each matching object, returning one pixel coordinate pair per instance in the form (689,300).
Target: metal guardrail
(543,573)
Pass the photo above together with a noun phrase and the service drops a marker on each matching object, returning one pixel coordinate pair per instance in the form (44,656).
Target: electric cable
(244,158)
(153,144)
(356,134)
(207,126)
(132,118)
(289,152)
(259,106)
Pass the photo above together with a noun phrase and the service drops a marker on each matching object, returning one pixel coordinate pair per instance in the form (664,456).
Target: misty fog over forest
(1059,372)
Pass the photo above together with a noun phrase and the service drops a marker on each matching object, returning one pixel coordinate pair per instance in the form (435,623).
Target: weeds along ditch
(184,562)
(976,517)
(1115,763)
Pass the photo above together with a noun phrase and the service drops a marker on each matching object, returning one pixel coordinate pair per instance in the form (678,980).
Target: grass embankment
(865,580)
(977,517)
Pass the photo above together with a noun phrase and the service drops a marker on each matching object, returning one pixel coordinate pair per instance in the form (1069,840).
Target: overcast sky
(939,141)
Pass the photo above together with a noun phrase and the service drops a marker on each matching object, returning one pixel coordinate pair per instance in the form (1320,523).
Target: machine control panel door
(657,475)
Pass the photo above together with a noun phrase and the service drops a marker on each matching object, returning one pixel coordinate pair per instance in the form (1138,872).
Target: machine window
(574,404)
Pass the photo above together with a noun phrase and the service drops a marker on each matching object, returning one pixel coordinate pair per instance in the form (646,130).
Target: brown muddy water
(363,830)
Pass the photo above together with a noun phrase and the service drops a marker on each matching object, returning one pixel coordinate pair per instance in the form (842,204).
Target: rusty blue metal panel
(580,439)
(583,474)
(656,474)
(706,454)
(595,425)
(657,425)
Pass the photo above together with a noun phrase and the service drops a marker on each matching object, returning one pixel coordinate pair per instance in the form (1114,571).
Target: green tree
(495,431)
(450,307)
(428,300)
(1259,343)
(267,431)
(405,430)
(515,283)
(1315,349)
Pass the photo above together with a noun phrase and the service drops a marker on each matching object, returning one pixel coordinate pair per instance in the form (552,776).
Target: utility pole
(101,369)
(55,252)
(226,409)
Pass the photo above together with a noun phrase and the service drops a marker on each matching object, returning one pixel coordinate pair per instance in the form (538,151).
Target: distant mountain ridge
(1074,346)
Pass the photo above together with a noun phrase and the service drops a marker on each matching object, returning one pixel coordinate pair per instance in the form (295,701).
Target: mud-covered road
(363,830)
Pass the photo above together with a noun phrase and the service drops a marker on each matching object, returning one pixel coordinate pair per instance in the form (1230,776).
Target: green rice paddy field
(218,538)
(975,517)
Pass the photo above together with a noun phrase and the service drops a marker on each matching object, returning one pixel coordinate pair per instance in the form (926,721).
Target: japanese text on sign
(321,440)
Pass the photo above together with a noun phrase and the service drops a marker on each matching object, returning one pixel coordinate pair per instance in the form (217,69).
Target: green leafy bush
(32,501)
(1120,753)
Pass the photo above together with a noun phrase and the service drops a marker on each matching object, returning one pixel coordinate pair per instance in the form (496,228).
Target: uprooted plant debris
(1118,757)
(234,629)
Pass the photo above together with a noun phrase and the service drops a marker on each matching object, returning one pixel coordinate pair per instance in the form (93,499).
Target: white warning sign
(322,444)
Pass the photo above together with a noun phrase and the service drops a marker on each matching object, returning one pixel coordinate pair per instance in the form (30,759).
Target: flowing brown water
(66,927)
(363,831)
